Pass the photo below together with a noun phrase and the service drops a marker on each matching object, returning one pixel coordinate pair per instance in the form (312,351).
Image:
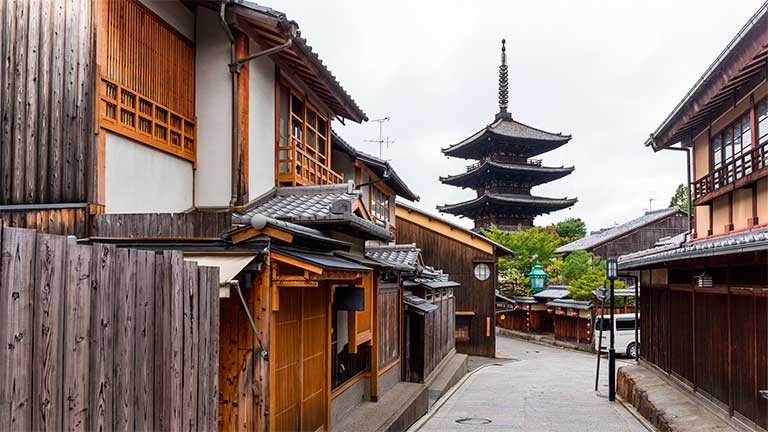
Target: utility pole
(381,141)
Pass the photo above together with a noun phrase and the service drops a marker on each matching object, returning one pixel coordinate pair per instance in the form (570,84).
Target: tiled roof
(313,205)
(571,304)
(479,172)
(378,165)
(547,204)
(553,292)
(505,127)
(735,243)
(398,254)
(603,236)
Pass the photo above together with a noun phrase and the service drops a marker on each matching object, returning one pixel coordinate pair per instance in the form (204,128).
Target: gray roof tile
(398,254)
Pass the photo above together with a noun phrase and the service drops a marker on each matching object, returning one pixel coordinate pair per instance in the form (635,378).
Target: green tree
(680,198)
(535,244)
(571,228)
(576,264)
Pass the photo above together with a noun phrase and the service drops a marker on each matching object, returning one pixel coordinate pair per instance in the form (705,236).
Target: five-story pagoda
(505,173)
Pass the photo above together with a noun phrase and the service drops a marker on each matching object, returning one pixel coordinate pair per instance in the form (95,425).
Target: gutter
(235,66)
(650,142)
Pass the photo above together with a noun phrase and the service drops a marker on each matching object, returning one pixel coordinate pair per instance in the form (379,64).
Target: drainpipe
(688,172)
(235,66)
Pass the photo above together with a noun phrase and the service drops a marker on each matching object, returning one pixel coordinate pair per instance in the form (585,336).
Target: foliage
(575,265)
(571,229)
(515,284)
(592,278)
(680,198)
(530,246)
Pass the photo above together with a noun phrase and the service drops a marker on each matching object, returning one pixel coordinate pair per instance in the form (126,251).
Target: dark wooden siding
(163,225)
(46,101)
(458,260)
(63,221)
(573,329)
(389,323)
(714,339)
(644,237)
(438,334)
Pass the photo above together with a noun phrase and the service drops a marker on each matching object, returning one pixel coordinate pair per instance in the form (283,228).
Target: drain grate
(473,421)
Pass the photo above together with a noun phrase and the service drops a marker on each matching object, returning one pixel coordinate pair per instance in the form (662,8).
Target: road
(539,388)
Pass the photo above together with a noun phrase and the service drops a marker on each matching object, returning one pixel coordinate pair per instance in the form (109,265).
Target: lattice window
(303,144)
(147,78)
(379,204)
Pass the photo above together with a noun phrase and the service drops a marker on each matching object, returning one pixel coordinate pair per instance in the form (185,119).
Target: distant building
(504,172)
(638,234)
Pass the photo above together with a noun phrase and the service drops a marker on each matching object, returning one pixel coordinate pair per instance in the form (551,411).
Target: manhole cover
(473,421)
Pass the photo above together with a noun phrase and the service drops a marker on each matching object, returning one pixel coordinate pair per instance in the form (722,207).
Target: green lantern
(538,278)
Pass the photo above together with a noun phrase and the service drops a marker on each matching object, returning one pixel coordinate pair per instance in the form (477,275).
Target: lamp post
(612,273)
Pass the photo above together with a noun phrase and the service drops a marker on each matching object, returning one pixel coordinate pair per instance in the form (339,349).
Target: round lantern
(538,278)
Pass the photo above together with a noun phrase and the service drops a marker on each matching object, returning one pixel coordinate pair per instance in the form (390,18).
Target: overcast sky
(606,72)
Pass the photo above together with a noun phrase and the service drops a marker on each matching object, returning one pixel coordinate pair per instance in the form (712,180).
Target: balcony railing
(741,166)
(532,162)
(298,166)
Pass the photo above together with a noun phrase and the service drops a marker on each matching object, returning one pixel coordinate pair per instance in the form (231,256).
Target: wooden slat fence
(161,225)
(104,338)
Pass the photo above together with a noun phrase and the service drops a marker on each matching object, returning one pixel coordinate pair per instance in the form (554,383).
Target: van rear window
(626,324)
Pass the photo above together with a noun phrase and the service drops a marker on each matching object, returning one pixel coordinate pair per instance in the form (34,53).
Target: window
(345,365)
(303,144)
(728,146)
(762,121)
(626,324)
(379,204)
(482,271)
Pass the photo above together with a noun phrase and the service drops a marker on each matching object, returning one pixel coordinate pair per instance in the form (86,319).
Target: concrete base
(446,375)
(665,405)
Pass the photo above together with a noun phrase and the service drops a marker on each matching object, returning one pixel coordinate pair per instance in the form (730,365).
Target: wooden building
(470,259)
(572,320)
(505,173)
(205,127)
(638,234)
(704,298)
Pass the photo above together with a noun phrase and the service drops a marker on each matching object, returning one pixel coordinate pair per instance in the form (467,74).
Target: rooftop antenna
(650,204)
(381,141)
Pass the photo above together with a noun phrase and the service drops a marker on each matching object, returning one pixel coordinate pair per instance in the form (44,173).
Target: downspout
(235,66)
(688,185)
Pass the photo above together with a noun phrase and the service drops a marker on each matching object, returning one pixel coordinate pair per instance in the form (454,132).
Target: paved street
(542,389)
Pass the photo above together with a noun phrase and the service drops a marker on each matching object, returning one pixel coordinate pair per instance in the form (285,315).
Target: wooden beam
(297,263)
(251,232)
(243,89)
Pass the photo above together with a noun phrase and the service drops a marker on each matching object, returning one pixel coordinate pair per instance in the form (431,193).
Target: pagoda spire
(503,80)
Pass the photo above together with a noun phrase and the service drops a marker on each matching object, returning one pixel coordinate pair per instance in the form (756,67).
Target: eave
(738,70)
(533,204)
(271,28)
(488,169)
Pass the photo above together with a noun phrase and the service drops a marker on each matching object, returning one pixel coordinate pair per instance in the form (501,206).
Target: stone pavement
(546,389)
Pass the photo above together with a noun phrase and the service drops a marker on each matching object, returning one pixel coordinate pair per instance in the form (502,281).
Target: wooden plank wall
(712,339)
(439,333)
(70,221)
(389,323)
(458,261)
(46,101)
(645,237)
(160,225)
(100,338)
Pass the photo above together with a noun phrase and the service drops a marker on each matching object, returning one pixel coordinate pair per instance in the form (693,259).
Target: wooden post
(693,331)
(730,342)
(374,283)
(243,87)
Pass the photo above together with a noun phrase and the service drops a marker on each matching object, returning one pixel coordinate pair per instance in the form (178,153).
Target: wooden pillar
(730,341)
(243,79)
(374,281)
(693,330)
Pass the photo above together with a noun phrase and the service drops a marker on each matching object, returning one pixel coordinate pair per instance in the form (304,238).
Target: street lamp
(538,278)
(612,273)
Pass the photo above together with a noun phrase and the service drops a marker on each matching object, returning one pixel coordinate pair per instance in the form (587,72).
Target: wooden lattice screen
(147,79)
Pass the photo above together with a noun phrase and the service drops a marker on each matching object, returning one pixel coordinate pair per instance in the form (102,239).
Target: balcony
(511,161)
(742,170)
(299,165)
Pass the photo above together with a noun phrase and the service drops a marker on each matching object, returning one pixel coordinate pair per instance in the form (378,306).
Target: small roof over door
(229,264)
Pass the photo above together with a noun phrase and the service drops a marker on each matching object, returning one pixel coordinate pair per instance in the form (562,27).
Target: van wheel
(632,350)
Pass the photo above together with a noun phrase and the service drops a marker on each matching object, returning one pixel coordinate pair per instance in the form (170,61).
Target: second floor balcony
(743,169)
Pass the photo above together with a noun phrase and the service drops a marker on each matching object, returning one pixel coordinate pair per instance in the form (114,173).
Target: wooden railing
(742,165)
(129,113)
(532,162)
(299,167)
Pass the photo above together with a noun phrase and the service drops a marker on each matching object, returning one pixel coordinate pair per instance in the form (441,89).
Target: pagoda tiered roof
(506,135)
(533,204)
(531,173)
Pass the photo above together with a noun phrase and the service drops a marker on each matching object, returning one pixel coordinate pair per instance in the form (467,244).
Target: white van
(625,333)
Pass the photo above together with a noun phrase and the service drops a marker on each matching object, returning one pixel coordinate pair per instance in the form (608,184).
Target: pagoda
(505,173)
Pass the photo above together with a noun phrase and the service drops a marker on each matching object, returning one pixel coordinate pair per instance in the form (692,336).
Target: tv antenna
(381,141)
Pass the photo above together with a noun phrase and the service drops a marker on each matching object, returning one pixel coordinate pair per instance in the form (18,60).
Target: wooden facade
(429,337)
(457,252)
(644,237)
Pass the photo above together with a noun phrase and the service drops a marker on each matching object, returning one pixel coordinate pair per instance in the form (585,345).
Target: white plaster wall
(213,106)
(175,14)
(261,127)
(141,179)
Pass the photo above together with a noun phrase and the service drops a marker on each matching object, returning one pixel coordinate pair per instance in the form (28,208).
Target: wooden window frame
(298,163)
(383,203)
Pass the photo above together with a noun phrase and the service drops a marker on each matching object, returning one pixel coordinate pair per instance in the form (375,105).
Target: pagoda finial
(503,79)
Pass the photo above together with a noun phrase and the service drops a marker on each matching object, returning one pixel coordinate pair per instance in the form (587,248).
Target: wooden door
(300,362)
